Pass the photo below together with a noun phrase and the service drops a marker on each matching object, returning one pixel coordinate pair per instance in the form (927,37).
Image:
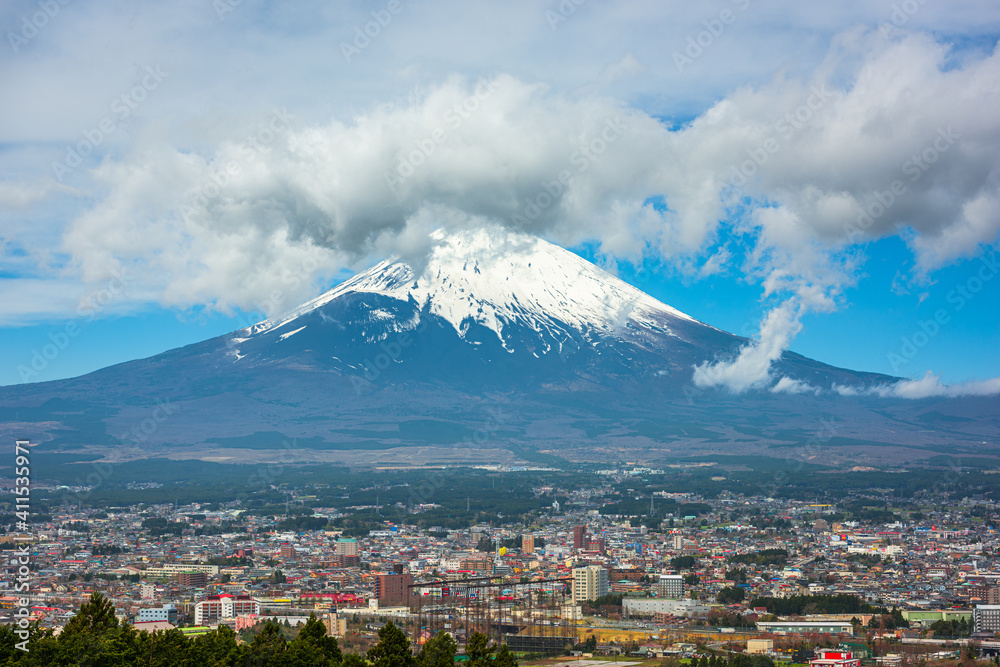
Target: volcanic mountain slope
(497,348)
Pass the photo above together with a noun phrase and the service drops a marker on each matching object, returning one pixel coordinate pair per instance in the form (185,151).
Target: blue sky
(742,145)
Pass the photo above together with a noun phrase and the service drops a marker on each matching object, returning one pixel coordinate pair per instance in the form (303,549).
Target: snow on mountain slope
(505,283)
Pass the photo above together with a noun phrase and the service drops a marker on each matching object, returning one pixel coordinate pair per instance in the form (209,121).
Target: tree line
(95,637)
(798,605)
(731,660)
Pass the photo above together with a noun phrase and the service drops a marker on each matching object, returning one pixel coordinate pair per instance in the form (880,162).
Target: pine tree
(218,647)
(505,658)
(438,651)
(392,648)
(97,615)
(268,646)
(313,633)
(478,650)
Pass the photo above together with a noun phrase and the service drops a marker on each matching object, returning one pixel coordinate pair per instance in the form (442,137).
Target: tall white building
(589,583)
(347,547)
(670,586)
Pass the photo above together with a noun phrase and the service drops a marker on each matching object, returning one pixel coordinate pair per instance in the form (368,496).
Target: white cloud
(929,386)
(751,367)
(491,151)
(788,385)
(19,194)
(625,68)
(833,131)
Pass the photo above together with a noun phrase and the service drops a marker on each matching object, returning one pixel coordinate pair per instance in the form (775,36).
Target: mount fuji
(512,311)
(497,348)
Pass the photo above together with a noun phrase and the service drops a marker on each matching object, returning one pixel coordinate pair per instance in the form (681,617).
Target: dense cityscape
(599,571)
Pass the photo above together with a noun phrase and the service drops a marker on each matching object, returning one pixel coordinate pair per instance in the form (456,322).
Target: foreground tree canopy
(95,637)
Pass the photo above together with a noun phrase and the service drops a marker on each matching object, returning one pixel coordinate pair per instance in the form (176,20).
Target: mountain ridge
(406,364)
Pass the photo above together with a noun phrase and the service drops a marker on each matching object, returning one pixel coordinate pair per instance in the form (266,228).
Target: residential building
(336,625)
(173,569)
(167,613)
(393,589)
(986,618)
(826,658)
(528,544)
(589,583)
(347,547)
(989,595)
(579,537)
(670,586)
(760,646)
(194,579)
(218,607)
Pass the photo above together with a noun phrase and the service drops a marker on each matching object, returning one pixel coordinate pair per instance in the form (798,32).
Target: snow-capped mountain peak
(501,282)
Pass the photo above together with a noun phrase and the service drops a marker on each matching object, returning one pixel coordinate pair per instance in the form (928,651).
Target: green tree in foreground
(392,648)
(438,651)
(95,638)
(478,650)
(482,653)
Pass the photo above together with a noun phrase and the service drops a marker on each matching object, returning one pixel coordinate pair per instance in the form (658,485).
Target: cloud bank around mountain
(888,136)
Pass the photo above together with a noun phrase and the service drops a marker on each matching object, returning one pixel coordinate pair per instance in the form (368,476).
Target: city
(658,576)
